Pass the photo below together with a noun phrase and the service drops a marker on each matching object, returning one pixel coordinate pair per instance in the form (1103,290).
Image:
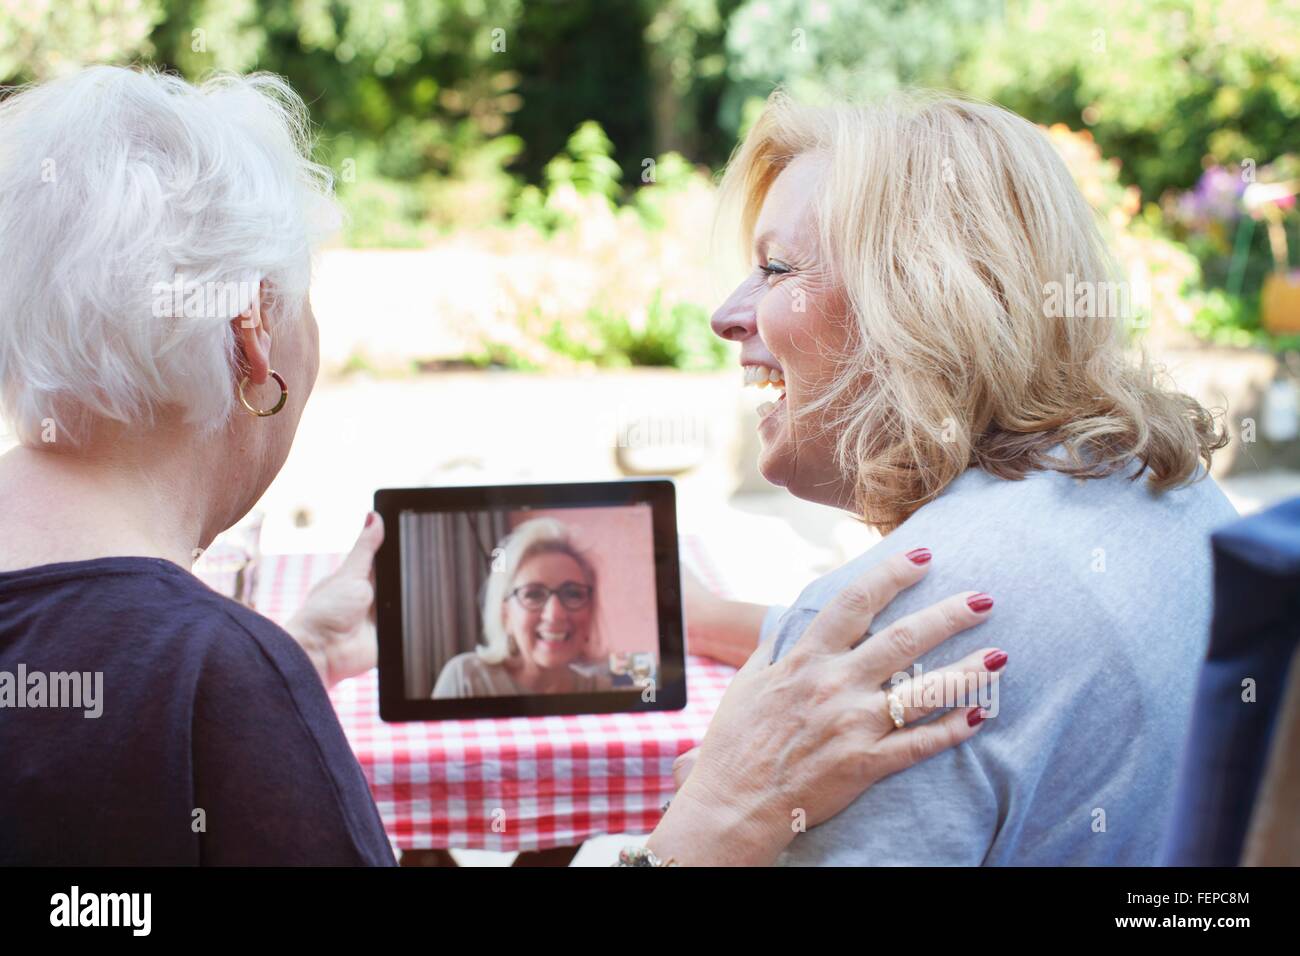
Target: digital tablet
(529,600)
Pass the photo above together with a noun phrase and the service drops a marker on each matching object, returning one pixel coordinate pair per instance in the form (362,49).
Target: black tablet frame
(659,493)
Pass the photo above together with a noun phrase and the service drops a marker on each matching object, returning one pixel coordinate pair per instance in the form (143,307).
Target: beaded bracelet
(641,856)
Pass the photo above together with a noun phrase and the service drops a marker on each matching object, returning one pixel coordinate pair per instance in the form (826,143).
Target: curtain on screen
(446,558)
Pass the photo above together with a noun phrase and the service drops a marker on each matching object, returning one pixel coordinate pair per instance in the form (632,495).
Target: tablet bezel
(659,493)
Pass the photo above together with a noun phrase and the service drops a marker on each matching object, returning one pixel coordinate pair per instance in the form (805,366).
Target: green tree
(844,47)
(1164,85)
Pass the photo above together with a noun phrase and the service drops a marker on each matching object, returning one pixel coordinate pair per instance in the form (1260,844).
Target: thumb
(361,558)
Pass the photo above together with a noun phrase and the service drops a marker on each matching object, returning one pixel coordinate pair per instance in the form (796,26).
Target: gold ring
(264,413)
(896,710)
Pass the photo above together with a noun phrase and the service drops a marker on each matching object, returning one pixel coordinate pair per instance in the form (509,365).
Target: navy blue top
(1254,635)
(205,706)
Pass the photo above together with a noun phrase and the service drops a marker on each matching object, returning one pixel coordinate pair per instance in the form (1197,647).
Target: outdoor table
(514,784)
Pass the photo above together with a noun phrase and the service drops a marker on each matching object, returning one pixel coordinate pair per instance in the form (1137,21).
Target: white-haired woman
(539,622)
(147,428)
(907,262)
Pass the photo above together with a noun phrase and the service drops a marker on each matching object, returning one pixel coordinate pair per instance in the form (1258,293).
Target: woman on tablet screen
(539,611)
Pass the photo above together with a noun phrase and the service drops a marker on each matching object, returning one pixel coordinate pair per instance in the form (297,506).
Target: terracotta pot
(1280,303)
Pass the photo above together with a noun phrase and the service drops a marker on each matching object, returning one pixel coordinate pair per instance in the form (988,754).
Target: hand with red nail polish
(779,740)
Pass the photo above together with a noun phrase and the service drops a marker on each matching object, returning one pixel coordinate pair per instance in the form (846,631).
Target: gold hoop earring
(266,413)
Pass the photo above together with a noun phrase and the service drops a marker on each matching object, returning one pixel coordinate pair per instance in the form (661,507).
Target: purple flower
(1216,198)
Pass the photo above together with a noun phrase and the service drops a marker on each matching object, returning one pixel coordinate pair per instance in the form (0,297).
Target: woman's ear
(253,341)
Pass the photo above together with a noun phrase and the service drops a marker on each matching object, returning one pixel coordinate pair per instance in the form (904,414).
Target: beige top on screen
(467,675)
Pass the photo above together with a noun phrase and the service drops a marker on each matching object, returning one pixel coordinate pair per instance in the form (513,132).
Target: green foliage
(38,38)
(581,60)
(677,337)
(428,84)
(412,96)
(584,168)
(586,164)
(663,178)
(1228,320)
(442,115)
(502,356)
(844,47)
(1162,84)
(1233,320)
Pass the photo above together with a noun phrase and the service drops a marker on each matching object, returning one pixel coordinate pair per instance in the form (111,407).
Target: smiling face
(789,317)
(551,636)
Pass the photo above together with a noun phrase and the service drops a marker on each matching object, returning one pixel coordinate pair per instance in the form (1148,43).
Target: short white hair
(116,183)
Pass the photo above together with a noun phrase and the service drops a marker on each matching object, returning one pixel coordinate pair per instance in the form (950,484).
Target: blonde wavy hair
(946,221)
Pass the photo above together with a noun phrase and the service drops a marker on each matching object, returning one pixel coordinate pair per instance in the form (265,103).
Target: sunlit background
(523,287)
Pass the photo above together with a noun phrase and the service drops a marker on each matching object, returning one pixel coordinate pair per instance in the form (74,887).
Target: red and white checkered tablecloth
(511,784)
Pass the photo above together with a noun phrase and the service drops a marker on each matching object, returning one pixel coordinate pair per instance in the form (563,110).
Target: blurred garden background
(523,286)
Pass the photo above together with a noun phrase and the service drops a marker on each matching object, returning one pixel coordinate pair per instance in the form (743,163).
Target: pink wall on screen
(619,542)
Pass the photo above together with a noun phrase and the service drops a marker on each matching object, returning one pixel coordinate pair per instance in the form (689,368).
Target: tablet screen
(533,599)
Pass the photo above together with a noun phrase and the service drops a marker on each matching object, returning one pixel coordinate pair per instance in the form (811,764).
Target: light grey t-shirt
(1103,593)
(468,675)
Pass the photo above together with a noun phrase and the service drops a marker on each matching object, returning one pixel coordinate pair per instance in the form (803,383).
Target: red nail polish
(979,603)
(370,519)
(995,660)
(919,555)
(976,716)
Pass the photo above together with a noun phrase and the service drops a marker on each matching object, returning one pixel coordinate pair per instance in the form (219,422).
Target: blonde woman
(539,622)
(143,435)
(907,260)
